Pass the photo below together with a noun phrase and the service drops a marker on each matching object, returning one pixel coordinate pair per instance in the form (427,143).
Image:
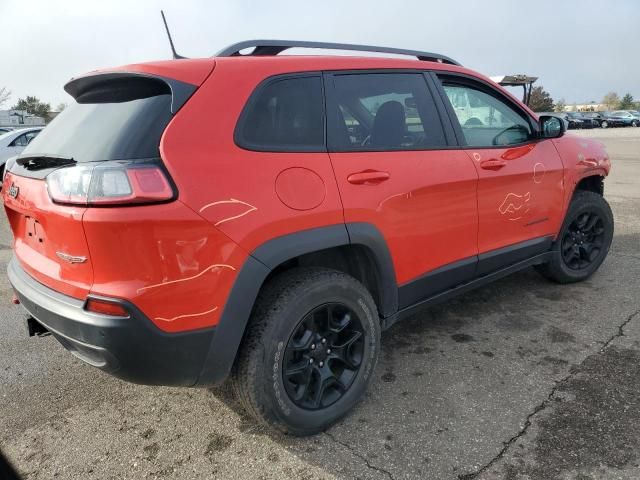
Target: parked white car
(13,142)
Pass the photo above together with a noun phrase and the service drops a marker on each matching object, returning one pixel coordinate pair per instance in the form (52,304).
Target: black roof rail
(274,47)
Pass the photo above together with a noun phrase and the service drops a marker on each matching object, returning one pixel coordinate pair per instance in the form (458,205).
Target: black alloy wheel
(583,241)
(323,356)
(310,350)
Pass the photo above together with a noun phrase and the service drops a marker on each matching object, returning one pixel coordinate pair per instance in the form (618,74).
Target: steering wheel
(496,139)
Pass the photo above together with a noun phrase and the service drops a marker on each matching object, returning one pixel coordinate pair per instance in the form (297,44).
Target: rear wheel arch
(357,249)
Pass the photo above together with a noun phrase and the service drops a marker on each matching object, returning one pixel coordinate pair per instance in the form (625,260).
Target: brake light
(105,307)
(109,183)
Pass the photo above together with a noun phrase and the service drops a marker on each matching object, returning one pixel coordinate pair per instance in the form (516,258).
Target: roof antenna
(173,49)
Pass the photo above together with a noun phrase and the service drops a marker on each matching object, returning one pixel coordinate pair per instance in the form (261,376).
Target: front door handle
(368,177)
(492,164)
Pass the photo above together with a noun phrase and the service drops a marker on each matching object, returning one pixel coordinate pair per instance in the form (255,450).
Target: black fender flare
(237,310)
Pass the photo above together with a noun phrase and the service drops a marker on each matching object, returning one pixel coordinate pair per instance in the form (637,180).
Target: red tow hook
(15,300)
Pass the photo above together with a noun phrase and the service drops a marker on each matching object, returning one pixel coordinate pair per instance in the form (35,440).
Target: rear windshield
(99,129)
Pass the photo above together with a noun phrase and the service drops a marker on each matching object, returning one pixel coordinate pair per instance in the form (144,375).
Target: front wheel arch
(557,269)
(591,183)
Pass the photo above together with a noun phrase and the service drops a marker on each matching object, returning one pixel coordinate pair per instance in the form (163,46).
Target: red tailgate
(49,239)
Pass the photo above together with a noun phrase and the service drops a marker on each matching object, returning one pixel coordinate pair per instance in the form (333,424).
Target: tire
(287,305)
(634,123)
(589,250)
(604,124)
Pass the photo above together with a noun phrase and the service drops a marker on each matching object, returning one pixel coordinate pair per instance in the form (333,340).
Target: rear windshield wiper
(42,161)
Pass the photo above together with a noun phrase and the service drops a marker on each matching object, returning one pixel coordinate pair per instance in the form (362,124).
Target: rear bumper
(133,348)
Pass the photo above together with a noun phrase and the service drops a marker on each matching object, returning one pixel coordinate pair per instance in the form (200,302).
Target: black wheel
(634,123)
(309,352)
(583,242)
(604,124)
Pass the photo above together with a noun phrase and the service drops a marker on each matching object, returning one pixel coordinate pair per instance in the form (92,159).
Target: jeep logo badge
(13,191)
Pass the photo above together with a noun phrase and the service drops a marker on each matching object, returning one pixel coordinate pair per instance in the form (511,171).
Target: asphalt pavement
(522,379)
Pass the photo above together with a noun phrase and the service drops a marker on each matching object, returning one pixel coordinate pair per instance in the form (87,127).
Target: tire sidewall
(277,336)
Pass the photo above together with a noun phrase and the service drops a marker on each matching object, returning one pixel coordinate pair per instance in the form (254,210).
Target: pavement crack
(523,431)
(620,332)
(360,456)
(541,406)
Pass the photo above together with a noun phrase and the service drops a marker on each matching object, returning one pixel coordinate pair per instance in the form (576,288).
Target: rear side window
(383,111)
(119,120)
(284,114)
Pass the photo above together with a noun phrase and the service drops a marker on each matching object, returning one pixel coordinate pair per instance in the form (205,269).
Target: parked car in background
(584,121)
(13,142)
(596,117)
(627,118)
(575,121)
(605,119)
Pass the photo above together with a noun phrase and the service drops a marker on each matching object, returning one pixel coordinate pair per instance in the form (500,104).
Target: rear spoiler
(124,86)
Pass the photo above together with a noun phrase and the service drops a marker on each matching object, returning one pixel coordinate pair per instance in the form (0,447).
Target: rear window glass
(128,127)
(284,115)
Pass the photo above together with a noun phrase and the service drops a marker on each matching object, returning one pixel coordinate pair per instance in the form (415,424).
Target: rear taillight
(109,183)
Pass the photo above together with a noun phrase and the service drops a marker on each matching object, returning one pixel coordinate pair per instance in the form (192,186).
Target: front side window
(486,120)
(30,136)
(283,115)
(20,141)
(383,111)
(24,139)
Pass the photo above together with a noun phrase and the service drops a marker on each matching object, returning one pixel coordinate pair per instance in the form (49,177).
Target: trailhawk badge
(13,191)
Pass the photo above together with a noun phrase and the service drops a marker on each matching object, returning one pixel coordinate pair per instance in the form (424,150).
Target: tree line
(32,105)
(541,101)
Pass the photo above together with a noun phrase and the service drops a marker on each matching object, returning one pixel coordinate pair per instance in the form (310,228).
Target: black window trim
(330,96)
(484,86)
(241,142)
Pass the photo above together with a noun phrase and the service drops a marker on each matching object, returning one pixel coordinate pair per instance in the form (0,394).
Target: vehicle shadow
(452,383)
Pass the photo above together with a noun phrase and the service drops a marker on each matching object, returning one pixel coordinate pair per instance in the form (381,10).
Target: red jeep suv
(263,217)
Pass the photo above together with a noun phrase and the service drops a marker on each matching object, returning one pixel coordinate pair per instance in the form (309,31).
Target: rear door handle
(368,177)
(493,164)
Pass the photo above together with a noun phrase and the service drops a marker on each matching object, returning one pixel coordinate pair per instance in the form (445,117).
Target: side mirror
(551,127)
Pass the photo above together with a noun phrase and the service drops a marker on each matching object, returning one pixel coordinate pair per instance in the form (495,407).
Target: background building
(19,118)
(585,107)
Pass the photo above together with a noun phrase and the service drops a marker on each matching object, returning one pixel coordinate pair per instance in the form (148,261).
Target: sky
(580,49)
